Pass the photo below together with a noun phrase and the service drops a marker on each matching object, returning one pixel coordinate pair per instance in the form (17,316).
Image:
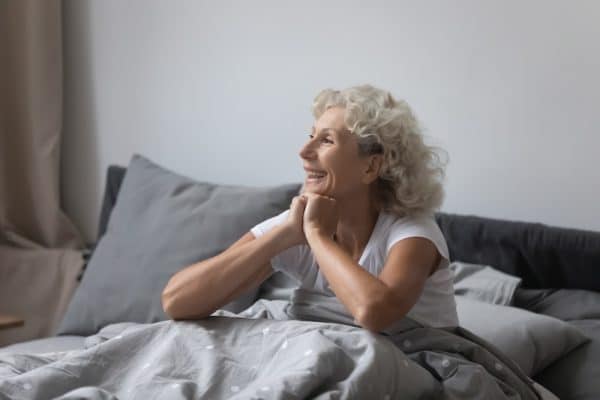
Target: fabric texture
(484,283)
(46,345)
(163,222)
(436,305)
(533,341)
(577,375)
(264,352)
(543,256)
(565,304)
(38,241)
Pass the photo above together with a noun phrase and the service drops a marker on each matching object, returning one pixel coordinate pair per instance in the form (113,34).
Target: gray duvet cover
(274,350)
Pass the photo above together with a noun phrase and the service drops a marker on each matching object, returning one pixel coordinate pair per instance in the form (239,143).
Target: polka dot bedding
(262,353)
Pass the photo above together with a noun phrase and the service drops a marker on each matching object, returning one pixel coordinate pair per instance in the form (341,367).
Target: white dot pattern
(265,388)
(210,347)
(445,363)
(284,345)
(27,386)
(265,331)
(235,388)
(308,352)
(498,366)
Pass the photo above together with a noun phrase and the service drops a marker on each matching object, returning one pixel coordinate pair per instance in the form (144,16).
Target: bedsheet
(275,349)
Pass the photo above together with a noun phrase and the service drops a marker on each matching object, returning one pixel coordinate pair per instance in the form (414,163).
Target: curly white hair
(412,172)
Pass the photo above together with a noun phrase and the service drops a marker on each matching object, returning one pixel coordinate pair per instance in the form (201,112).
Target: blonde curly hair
(411,174)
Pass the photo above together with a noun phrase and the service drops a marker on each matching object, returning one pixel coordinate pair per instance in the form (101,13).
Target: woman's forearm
(200,289)
(355,287)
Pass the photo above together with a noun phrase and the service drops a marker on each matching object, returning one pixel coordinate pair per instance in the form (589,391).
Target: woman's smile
(315,176)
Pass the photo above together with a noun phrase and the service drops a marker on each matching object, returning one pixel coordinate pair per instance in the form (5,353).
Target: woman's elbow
(379,317)
(173,305)
(168,303)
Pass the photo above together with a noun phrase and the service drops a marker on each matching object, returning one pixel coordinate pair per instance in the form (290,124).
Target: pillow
(161,223)
(565,304)
(533,341)
(484,283)
(577,376)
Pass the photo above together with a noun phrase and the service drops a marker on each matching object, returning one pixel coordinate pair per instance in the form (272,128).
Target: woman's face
(331,159)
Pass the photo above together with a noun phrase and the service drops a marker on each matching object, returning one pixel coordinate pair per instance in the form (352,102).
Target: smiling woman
(362,230)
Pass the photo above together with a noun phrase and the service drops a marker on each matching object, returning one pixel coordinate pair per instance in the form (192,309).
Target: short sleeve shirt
(435,307)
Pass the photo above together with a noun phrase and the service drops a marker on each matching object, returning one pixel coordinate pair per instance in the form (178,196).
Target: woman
(362,229)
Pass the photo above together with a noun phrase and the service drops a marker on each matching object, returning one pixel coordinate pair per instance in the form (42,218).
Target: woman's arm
(377,302)
(200,289)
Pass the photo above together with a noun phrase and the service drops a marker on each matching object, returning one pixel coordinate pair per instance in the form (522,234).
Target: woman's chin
(315,188)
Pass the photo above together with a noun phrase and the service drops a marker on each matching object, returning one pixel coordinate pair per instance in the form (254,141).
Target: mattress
(46,345)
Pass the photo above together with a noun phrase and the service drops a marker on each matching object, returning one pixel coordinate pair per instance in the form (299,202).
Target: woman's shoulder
(397,227)
(409,223)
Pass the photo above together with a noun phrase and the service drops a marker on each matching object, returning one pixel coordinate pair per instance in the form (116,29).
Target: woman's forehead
(331,119)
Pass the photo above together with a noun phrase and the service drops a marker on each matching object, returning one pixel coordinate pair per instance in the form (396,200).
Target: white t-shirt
(436,307)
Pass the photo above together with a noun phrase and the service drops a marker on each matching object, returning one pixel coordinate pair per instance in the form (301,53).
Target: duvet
(303,348)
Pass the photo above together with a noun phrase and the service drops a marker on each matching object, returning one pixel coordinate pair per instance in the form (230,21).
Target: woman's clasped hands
(311,214)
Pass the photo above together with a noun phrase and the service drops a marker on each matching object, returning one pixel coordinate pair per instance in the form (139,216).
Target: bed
(527,296)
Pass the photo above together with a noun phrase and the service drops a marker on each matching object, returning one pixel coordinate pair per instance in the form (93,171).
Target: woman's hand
(293,226)
(320,215)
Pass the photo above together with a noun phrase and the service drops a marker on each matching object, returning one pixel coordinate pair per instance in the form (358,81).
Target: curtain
(40,248)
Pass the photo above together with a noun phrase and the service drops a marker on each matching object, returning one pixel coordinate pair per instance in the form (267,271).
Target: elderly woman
(361,230)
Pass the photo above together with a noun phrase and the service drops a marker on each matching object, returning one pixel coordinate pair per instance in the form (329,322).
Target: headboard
(543,256)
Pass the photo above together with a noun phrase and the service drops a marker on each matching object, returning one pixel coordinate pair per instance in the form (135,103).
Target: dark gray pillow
(161,223)
(533,341)
(565,304)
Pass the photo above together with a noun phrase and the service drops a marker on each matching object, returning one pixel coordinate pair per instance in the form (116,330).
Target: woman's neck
(356,222)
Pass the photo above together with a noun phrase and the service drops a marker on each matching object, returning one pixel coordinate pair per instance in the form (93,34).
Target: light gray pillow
(533,341)
(484,283)
(161,223)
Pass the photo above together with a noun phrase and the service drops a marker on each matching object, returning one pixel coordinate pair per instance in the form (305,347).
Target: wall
(221,91)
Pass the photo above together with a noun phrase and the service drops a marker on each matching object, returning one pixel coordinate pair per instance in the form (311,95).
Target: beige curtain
(40,249)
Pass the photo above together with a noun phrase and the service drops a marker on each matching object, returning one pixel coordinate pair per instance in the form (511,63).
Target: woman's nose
(307,152)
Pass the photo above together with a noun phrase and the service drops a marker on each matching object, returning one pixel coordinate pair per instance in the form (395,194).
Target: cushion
(484,283)
(163,222)
(533,341)
(577,376)
(543,256)
(565,304)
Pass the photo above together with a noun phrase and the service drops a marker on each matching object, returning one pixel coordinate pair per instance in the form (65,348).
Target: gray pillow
(533,341)
(565,304)
(484,283)
(577,376)
(161,223)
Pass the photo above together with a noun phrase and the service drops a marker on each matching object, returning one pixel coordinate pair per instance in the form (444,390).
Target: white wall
(221,91)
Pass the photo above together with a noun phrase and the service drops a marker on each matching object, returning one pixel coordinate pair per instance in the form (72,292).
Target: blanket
(298,349)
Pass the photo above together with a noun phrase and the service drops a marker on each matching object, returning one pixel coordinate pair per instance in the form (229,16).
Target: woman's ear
(373,167)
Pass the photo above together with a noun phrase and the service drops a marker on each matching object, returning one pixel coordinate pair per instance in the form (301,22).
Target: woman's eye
(323,140)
